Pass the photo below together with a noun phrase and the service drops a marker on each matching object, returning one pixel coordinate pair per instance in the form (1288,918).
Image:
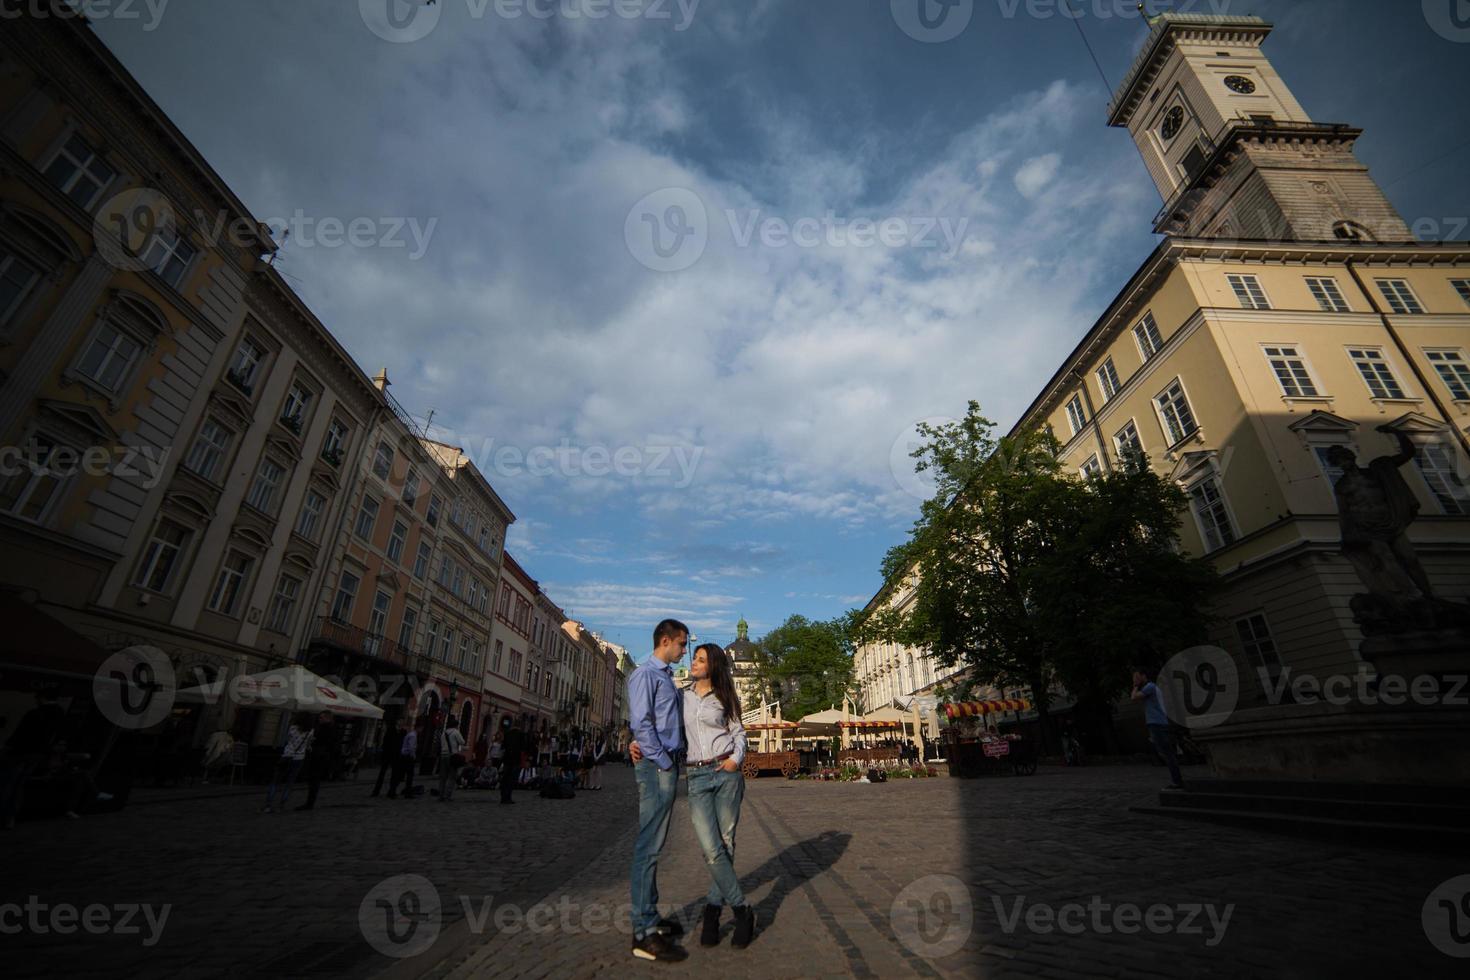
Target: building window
(411,488)
(499,656)
(30,490)
(378,618)
(1208,504)
(397,540)
(1255,639)
(446,646)
(311,515)
(108,357)
(1146,332)
(209,448)
(346,594)
(231,582)
(1075,415)
(474,596)
(383,460)
(1248,290)
(1107,379)
(267,480)
(477,657)
(485,536)
(367,517)
(1127,442)
(1373,366)
(1174,411)
(1351,231)
(1400,297)
(464,652)
(1091,468)
(1331,472)
(80,172)
(406,628)
(283,604)
(1462,286)
(1328,296)
(1453,370)
(298,403)
(515,664)
(1436,465)
(169,254)
(421,561)
(504,607)
(433,637)
(17,278)
(335,444)
(162,557)
(245,365)
(1291,372)
(458,582)
(435,505)
(445,566)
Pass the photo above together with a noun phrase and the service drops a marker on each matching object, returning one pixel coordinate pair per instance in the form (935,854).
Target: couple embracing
(701,723)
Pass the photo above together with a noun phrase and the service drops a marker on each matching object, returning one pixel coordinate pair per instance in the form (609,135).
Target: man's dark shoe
(709,930)
(655,946)
(744,926)
(669,927)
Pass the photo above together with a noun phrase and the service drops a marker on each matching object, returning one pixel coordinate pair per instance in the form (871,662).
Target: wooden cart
(756,763)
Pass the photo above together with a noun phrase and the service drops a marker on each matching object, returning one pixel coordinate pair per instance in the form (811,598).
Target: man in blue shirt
(655,712)
(1157,720)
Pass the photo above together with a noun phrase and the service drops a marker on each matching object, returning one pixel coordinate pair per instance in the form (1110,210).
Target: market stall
(975,747)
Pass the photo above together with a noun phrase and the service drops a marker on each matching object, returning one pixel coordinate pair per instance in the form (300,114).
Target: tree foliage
(805,664)
(1032,578)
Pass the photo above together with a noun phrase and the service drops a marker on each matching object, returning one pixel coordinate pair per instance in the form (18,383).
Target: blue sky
(719,428)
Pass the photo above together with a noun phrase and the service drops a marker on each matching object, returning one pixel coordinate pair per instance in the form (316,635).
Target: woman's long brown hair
(721,680)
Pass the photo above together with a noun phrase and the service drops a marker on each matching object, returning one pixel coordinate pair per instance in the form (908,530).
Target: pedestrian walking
(408,757)
(655,707)
(293,754)
(388,750)
(1157,720)
(323,757)
(451,758)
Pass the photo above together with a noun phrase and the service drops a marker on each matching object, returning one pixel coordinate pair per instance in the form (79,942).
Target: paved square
(997,877)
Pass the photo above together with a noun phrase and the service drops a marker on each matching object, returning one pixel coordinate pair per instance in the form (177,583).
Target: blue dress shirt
(655,711)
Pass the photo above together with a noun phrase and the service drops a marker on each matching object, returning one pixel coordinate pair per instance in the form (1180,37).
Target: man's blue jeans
(285,776)
(656,789)
(714,806)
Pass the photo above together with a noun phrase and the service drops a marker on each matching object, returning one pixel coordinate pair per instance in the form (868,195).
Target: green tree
(1029,577)
(804,664)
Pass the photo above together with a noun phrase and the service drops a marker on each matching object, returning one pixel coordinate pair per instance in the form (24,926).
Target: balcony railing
(355,639)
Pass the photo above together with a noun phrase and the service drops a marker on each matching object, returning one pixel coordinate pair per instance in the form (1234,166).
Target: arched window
(1351,231)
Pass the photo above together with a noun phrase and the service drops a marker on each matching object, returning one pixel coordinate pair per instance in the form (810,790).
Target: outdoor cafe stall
(974,747)
(866,733)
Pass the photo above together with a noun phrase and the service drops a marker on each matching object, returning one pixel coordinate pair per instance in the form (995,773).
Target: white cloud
(1033,175)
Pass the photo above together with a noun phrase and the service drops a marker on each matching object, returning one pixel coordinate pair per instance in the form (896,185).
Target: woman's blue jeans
(714,806)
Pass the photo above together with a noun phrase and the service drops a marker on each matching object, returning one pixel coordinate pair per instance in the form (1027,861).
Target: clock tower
(1233,153)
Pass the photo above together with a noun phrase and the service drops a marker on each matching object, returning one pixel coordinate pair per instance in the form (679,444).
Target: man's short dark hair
(1148,672)
(668,629)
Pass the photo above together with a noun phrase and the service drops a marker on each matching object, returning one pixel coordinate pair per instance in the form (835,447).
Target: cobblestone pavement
(997,877)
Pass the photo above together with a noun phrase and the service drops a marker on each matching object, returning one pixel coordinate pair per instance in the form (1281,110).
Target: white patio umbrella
(292,688)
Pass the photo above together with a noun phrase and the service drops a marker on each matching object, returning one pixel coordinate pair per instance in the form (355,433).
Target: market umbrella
(292,688)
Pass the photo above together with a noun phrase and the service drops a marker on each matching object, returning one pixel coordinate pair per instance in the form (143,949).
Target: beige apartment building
(171,411)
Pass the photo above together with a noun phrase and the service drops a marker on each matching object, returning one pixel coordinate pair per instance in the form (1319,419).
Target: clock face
(1173,119)
(1239,83)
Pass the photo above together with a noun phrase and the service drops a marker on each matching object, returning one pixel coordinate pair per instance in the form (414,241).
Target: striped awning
(969,709)
(870,724)
(771,726)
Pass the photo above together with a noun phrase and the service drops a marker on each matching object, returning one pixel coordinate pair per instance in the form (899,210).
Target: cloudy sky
(624,261)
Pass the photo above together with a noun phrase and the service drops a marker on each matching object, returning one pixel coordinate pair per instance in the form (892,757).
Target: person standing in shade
(388,751)
(324,757)
(27,749)
(512,744)
(408,757)
(1157,720)
(451,758)
(655,709)
(293,753)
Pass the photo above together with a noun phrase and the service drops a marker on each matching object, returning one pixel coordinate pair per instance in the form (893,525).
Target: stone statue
(1375,508)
